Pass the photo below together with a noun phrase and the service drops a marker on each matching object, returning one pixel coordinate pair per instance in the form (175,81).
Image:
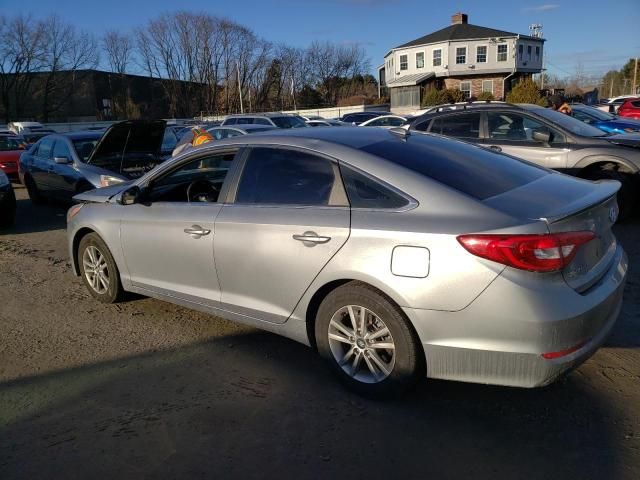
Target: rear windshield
(289,122)
(472,170)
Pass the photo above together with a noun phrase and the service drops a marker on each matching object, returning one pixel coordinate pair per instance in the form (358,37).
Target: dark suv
(545,137)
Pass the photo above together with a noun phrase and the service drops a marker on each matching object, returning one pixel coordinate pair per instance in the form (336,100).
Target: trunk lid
(569,204)
(130,148)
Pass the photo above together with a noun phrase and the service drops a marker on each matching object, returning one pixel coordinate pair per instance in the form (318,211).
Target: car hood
(101,195)
(129,147)
(628,140)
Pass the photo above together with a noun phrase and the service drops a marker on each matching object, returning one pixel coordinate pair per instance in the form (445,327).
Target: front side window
(487,86)
(84,147)
(437,58)
(404,62)
(365,192)
(465,87)
(420,60)
(285,177)
(198,180)
(461,125)
(503,48)
(461,55)
(514,127)
(481,54)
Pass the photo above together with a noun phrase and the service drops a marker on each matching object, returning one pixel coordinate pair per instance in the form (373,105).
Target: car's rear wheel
(32,189)
(98,269)
(367,341)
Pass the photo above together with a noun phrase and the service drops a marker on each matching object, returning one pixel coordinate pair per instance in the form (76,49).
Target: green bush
(434,96)
(526,91)
(455,95)
(486,96)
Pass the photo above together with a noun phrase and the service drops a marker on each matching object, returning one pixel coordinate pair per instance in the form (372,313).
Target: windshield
(595,113)
(84,147)
(289,122)
(572,124)
(8,144)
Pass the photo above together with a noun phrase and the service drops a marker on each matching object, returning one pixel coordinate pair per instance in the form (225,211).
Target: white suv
(278,120)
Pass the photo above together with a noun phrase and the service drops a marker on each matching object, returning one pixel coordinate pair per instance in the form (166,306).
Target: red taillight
(563,353)
(535,253)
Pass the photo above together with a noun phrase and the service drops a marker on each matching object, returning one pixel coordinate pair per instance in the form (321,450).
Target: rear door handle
(311,238)
(197,231)
(495,148)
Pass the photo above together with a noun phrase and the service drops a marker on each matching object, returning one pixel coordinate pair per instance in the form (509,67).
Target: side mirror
(541,136)
(131,195)
(61,160)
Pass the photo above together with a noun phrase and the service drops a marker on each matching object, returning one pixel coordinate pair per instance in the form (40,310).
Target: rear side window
(290,177)
(471,170)
(365,192)
(45,147)
(461,125)
(636,103)
(231,121)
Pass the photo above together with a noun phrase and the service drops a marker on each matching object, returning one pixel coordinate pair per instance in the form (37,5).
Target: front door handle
(197,231)
(495,148)
(311,238)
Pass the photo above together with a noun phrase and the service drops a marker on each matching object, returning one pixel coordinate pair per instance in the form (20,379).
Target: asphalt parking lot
(145,389)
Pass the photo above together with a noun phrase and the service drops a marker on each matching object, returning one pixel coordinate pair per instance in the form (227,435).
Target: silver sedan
(394,254)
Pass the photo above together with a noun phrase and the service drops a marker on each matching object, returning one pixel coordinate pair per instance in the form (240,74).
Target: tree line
(205,63)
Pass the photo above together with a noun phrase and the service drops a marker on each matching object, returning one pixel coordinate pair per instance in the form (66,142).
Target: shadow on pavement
(32,218)
(260,406)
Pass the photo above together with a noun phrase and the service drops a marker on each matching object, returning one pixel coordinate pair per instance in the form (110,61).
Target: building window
(420,60)
(503,49)
(529,52)
(537,53)
(461,55)
(481,54)
(405,97)
(465,87)
(437,57)
(520,51)
(487,86)
(404,62)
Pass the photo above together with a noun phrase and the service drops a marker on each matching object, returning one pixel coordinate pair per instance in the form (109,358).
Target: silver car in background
(394,254)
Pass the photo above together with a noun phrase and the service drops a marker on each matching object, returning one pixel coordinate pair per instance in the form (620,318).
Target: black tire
(8,210)
(113,291)
(34,194)
(627,196)
(409,359)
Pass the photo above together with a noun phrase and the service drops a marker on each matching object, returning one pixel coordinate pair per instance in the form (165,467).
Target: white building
(464,56)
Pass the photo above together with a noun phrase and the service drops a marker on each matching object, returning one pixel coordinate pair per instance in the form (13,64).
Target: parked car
(27,127)
(10,150)
(612,105)
(630,108)
(278,120)
(326,123)
(391,266)
(7,201)
(220,133)
(604,121)
(31,138)
(359,117)
(60,166)
(548,138)
(169,142)
(385,121)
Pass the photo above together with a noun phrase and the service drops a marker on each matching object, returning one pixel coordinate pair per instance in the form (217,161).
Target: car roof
(247,127)
(266,114)
(83,135)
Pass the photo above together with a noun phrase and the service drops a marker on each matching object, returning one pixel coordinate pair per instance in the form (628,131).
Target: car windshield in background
(469,169)
(595,113)
(8,144)
(84,147)
(572,124)
(289,122)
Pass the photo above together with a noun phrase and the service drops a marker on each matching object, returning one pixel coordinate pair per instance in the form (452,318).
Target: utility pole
(635,77)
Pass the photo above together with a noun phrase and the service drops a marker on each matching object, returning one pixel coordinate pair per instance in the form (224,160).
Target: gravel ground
(146,389)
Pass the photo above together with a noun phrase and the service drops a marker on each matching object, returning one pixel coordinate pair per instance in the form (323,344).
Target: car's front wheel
(367,341)
(98,269)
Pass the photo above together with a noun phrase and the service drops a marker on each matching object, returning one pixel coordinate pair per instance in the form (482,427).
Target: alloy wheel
(96,270)
(361,344)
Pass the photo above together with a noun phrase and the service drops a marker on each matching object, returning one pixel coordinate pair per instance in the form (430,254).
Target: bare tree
(119,49)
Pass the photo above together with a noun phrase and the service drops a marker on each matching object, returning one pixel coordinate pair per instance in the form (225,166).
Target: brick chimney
(459,18)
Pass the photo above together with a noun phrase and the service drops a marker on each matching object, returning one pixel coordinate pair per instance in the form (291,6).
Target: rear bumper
(500,338)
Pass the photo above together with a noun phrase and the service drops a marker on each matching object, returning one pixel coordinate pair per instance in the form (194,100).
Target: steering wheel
(202,191)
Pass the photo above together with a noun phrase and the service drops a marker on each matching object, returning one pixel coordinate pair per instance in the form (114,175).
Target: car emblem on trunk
(613,214)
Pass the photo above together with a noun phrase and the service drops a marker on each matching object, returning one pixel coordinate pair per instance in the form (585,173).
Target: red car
(630,108)
(10,150)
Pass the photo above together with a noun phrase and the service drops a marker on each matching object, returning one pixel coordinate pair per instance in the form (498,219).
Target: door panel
(263,270)
(161,256)
(42,164)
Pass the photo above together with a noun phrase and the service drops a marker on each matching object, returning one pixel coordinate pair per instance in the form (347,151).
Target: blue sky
(586,32)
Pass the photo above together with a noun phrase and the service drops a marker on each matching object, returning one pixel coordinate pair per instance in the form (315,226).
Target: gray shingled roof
(462,31)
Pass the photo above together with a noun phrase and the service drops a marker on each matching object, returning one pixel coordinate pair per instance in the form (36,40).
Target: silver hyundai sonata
(394,254)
